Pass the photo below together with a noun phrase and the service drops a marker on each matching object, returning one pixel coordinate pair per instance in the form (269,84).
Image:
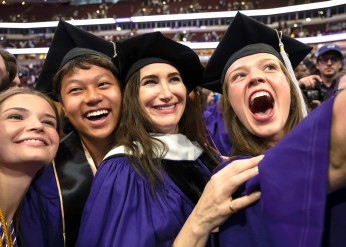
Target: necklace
(6,239)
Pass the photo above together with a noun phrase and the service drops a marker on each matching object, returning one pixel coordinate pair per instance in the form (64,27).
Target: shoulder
(45,184)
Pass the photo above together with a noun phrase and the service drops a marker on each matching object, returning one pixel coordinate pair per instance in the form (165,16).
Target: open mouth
(261,103)
(97,115)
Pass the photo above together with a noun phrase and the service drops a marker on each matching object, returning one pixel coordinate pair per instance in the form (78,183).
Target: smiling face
(91,100)
(259,93)
(162,96)
(28,131)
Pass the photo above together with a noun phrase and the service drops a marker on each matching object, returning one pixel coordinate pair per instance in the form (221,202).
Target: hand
(314,104)
(213,208)
(309,81)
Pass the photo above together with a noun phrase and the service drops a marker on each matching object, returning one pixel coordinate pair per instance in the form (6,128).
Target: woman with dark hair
(87,87)
(149,183)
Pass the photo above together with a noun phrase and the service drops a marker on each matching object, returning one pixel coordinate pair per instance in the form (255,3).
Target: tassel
(115,49)
(291,72)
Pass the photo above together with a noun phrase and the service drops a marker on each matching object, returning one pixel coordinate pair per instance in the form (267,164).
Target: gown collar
(179,147)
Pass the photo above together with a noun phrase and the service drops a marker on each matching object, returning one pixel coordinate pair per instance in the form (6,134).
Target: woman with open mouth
(302,176)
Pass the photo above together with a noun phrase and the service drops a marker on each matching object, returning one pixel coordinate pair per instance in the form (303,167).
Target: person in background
(301,71)
(329,64)
(87,86)
(302,176)
(215,124)
(149,183)
(8,70)
(29,123)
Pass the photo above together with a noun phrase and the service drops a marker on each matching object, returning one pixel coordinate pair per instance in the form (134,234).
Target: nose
(166,92)
(93,96)
(34,124)
(329,61)
(255,77)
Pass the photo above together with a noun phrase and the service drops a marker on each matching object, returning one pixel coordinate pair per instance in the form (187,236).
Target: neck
(13,186)
(327,81)
(97,149)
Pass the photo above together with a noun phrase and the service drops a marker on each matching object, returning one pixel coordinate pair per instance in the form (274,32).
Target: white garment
(179,147)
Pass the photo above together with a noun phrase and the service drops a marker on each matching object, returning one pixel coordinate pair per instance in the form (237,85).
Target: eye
(74,90)
(15,117)
(237,76)
(149,82)
(104,84)
(176,79)
(270,67)
(50,123)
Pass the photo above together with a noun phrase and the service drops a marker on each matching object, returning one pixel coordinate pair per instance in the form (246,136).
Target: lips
(261,103)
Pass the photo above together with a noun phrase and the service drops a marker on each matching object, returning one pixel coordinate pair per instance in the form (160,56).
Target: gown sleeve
(40,221)
(293,179)
(122,211)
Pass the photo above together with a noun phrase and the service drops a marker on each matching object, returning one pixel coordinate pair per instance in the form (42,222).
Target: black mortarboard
(66,38)
(134,53)
(246,36)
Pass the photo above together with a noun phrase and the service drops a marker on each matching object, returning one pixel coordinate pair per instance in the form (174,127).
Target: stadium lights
(200,45)
(177,17)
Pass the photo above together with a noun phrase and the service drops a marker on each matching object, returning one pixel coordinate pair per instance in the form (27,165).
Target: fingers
(242,202)
(309,81)
(239,166)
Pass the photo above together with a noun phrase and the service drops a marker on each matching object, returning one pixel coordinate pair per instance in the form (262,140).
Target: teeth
(259,94)
(97,113)
(165,107)
(33,140)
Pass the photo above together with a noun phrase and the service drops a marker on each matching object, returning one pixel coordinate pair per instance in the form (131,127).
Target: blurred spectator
(318,88)
(301,71)
(8,69)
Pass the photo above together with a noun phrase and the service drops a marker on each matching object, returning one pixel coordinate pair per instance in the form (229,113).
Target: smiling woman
(149,183)
(29,141)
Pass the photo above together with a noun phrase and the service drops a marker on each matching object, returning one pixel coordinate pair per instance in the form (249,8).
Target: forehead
(156,68)
(32,102)
(253,59)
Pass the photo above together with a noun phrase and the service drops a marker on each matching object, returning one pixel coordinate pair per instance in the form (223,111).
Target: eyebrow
(155,76)
(21,109)
(262,60)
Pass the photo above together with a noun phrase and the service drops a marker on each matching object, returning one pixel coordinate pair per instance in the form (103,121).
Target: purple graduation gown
(293,179)
(217,131)
(41,221)
(121,210)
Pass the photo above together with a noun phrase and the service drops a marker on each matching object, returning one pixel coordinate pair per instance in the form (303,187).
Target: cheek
(235,96)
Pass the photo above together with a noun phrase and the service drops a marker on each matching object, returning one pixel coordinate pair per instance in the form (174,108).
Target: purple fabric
(293,181)
(121,210)
(40,217)
(218,134)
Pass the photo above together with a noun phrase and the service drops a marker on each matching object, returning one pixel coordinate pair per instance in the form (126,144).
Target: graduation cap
(66,38)
(139,51)
(246,36)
